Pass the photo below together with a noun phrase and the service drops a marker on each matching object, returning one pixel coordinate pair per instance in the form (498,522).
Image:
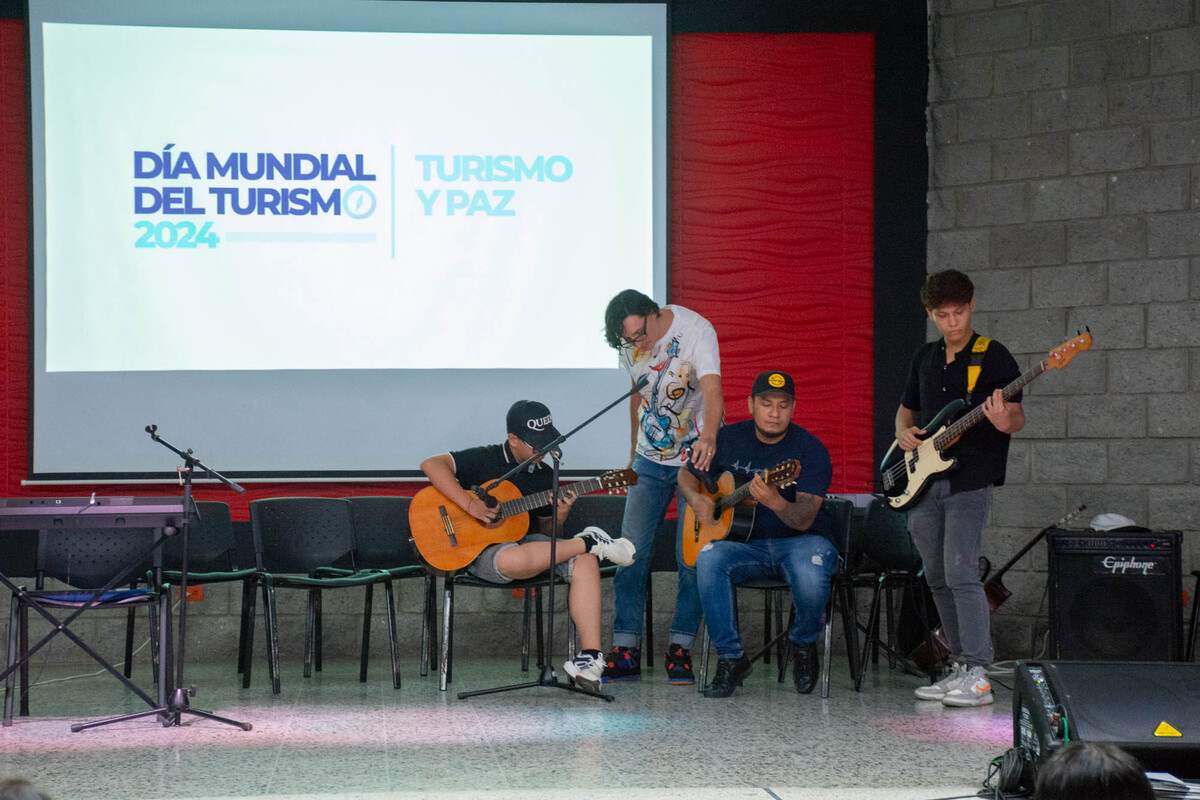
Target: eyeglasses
(638,335)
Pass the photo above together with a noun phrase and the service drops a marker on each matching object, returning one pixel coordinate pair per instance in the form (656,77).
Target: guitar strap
(975,365)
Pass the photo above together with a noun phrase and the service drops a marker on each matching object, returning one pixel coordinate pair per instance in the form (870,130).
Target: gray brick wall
(1065,179)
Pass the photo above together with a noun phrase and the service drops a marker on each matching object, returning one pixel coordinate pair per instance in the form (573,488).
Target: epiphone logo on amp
(1123,565)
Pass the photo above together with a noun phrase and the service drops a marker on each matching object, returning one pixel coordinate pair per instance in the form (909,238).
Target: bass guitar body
(449,538)
(906,475)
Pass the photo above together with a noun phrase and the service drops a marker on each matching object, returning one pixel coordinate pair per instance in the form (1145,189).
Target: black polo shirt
(478,466)
(982,452)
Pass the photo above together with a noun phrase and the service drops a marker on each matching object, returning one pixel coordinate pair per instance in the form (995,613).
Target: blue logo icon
(358,202)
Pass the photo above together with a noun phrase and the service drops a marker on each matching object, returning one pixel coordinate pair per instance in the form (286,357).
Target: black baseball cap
(530,421)
(773,381)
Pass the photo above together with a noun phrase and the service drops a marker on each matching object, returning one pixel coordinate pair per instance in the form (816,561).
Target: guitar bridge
(448,526)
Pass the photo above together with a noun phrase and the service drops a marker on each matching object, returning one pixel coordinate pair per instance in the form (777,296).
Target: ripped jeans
(807,561)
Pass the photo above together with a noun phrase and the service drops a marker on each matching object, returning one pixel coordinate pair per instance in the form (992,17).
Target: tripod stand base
(170,714)
(547,679)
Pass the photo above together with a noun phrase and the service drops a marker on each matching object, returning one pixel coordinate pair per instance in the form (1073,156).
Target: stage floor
(330,736)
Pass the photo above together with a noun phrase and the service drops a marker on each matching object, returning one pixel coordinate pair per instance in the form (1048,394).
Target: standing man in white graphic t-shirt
(679,408)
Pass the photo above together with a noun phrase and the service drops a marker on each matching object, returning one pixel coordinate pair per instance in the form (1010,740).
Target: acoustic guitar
(449,538)
(733,516)
(906,475)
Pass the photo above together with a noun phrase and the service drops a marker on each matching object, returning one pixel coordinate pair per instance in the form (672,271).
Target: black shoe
(806,667)
(730,675)
(679,666)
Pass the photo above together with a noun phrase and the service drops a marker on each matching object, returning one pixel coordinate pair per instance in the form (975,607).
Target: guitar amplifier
(1149,710)
(1115,596)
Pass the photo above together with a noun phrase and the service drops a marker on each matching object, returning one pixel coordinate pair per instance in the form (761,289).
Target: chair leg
(891,623)
(648,635)
(154,615)
(705,647)
(310,613)
(784,643)
(872,635)
(14,621)
(447,615)
(272,637)
(429,625)
(768,631)
(827,655)
(781,639)
(166,667)
(365,650)
(247,590)
(541,626)
(526,614)
(318,633)
(393,644)
(129,626)
(250,615)
(24,670)
(160,613)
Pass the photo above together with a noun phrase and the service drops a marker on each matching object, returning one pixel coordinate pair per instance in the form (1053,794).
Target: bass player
(947,522)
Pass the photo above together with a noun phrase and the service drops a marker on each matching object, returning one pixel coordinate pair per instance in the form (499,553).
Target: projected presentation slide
(225,199)
(316,239)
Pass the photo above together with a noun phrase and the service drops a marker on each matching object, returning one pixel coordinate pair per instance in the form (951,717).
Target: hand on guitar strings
(766,494)
(910,438)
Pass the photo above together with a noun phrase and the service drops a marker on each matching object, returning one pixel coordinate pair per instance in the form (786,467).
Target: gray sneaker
(586,670)
(936,691)
(606,548)
(973,689)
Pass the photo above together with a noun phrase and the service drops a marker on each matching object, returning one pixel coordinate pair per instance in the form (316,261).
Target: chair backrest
(605,511)
(88,558)
(296,535)
(382,538)
(211,546)
(839,512)
(886,538)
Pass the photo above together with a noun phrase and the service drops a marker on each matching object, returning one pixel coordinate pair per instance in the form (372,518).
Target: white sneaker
(936,691)
(973,689)
(618,551)
(586,670)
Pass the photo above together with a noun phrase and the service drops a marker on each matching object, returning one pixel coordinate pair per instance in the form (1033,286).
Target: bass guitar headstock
(1060,356)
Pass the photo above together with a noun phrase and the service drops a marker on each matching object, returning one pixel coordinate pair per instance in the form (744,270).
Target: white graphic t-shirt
(671,414)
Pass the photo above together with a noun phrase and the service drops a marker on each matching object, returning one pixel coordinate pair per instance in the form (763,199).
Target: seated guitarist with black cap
(531,427)
(790,537)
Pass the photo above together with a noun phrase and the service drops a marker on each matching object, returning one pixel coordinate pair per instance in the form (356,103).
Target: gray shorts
(484,567)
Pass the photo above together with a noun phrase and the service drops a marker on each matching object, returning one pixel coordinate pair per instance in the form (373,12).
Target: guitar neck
(733,498)
(968,420)
(522,505)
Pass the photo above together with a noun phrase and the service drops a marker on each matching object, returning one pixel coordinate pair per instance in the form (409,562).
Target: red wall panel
(771,204)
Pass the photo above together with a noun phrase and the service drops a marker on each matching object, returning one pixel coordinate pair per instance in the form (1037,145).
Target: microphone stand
(178,704)
(548,677)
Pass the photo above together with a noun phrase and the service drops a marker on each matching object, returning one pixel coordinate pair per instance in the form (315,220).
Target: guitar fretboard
(529,502)
(968,420)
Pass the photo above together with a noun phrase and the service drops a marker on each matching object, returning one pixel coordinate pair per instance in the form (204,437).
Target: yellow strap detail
(1167,729)
(976,366)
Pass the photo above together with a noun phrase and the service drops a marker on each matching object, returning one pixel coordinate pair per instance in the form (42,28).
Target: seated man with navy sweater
(789,540)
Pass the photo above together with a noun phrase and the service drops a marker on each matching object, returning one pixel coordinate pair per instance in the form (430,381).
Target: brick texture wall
(1064,144)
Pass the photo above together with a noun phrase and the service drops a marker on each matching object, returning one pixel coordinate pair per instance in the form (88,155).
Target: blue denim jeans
(947,530)
(808,563)
(644,509)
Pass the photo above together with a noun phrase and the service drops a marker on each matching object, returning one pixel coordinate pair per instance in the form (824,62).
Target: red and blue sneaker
(623,664)
(679,666)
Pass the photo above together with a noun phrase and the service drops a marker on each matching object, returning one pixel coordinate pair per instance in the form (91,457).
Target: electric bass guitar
(449,538)
(733,517)
(906,475)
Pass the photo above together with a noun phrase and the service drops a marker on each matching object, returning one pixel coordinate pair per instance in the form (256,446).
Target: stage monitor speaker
(1115,596)
(1150,710)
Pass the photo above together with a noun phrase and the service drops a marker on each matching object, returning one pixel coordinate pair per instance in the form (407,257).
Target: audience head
(1094,771)
(20,789)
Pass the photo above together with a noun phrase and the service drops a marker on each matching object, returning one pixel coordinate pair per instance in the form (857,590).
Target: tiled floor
(330,736)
